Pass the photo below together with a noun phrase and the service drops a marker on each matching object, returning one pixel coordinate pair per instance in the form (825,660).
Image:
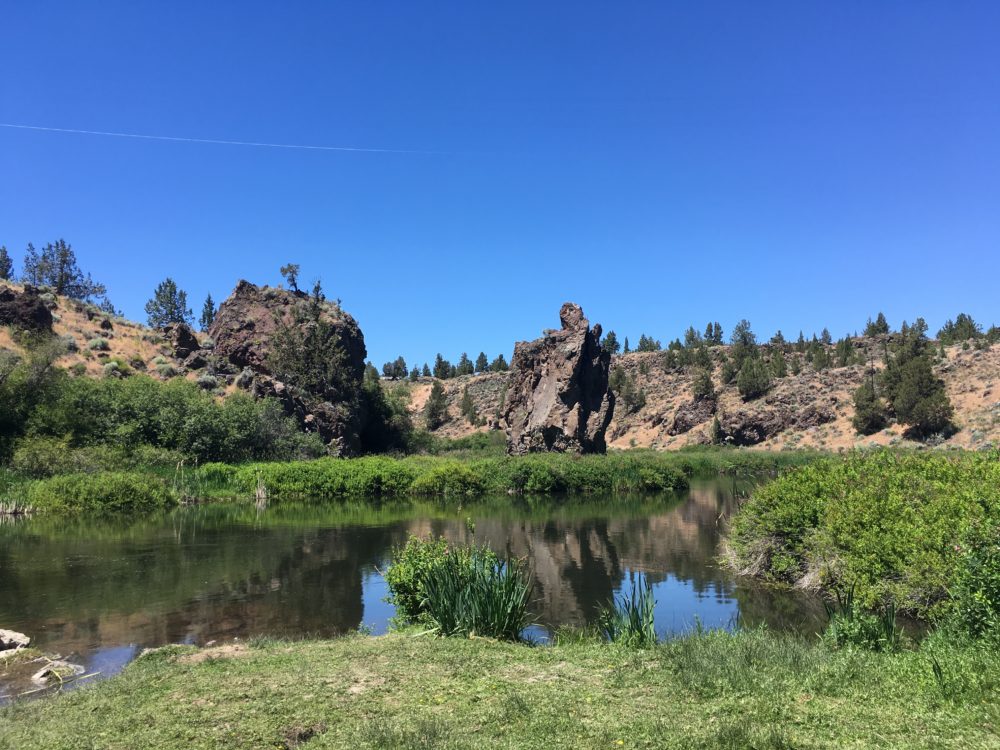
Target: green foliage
(389,426)
(916,396)
(442,367)
(852,627)
(610,343)
(961,329)
(632,397)
(406,574)
(779,367)
(105,492)
(98,345)
(290,272)
(207,313)
(472,592)
(168,305)
(6,265)
(977,586)
(890,524)
(870,414)
(395,369)
(879,327)
(452,479)
(630,620)
(436,408)
(482,363)
(56,267)
(702,386)
(754,379)
(648,344)
(468,407)
(499,364)
(465,366)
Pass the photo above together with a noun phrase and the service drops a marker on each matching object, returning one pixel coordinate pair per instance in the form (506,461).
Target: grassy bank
(905,528)
(749,689)
(377,478)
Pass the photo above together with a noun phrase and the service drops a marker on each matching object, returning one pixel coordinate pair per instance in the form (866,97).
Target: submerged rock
(558,398)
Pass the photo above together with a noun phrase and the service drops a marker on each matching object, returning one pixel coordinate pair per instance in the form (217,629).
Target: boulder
(746,427)
(10,639)
(691,414)
(558,398)
(25,310)
(181,339)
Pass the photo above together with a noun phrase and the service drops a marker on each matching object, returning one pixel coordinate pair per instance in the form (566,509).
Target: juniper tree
(482,363)
(207,313)
(465,366)
(442,367)
(825,337)
(6,265)
(702,386)
(870,414)
(436,409)
(468,407)
(962,328)
(499,364)
(879,327)
(168,305)
(754,379)
(414,374)
(425,371)
(915,395)
(779,367)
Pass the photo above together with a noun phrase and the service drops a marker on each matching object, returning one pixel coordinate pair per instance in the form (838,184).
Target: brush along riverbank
(712,690)
(377,478)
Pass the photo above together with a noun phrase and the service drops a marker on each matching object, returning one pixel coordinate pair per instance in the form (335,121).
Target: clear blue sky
(798,164)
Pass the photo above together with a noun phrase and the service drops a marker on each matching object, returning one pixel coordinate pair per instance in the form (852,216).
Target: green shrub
(977,588)
(448,479)
(889,523)
(405,575)
(104,492)
(98,345)
(850,626)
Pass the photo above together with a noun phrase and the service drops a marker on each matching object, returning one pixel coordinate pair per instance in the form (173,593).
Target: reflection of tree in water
(211,573)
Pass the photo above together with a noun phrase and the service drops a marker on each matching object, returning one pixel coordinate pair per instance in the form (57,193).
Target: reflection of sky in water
(375,611)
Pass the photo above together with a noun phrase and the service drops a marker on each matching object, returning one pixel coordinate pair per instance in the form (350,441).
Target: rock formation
(558,398)
(244,333)
(25,310)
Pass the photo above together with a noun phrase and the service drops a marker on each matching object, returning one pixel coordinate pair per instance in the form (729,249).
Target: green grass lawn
(751,689)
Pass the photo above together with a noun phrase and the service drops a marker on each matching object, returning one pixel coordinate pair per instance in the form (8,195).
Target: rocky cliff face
(244,332)
(558,398)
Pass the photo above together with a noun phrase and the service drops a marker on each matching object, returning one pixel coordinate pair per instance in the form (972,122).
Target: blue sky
(798,164)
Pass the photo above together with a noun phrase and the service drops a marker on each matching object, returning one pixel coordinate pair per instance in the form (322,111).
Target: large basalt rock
(25,310)
(744,427)
(558,398)
(244,333)
(181,339)
(691,414)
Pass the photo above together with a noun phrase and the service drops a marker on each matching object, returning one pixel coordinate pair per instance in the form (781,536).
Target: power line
(215,141)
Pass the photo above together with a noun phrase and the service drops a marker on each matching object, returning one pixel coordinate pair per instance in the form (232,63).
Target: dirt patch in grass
(227,651)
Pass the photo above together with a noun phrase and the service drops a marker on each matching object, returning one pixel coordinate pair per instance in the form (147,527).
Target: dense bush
(977,586)
(405,576)
(104,492)
(890,524)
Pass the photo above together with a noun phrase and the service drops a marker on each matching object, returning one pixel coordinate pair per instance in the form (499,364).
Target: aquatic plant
(629,620)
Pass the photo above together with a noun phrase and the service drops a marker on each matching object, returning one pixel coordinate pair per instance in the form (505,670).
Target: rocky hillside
(812,409)
(809,410)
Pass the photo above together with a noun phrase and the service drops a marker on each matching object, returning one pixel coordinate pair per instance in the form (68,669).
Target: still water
(99,592)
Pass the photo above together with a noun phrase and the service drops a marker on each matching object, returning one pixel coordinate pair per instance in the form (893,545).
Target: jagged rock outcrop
(749,428)
(244,332)
(25,310)
(181,339)
(558,398)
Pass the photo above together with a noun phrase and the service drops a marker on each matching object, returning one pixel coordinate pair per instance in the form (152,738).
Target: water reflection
(101,591)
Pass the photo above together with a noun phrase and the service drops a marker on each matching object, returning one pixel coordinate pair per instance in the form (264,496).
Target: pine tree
(465,366)
(436,409)
(845,352)
(6,265)
(425,371)
(825,337)
(778,339)
(55,266)
(414,374)
(916,396)
(879,328)
(499,364)
(610,342)
(482,363)
(648,344)
(207,313)
(468,407)
(291,273)
(626,349)
(168,305)
(779,367)
(442,368)
(796,365)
